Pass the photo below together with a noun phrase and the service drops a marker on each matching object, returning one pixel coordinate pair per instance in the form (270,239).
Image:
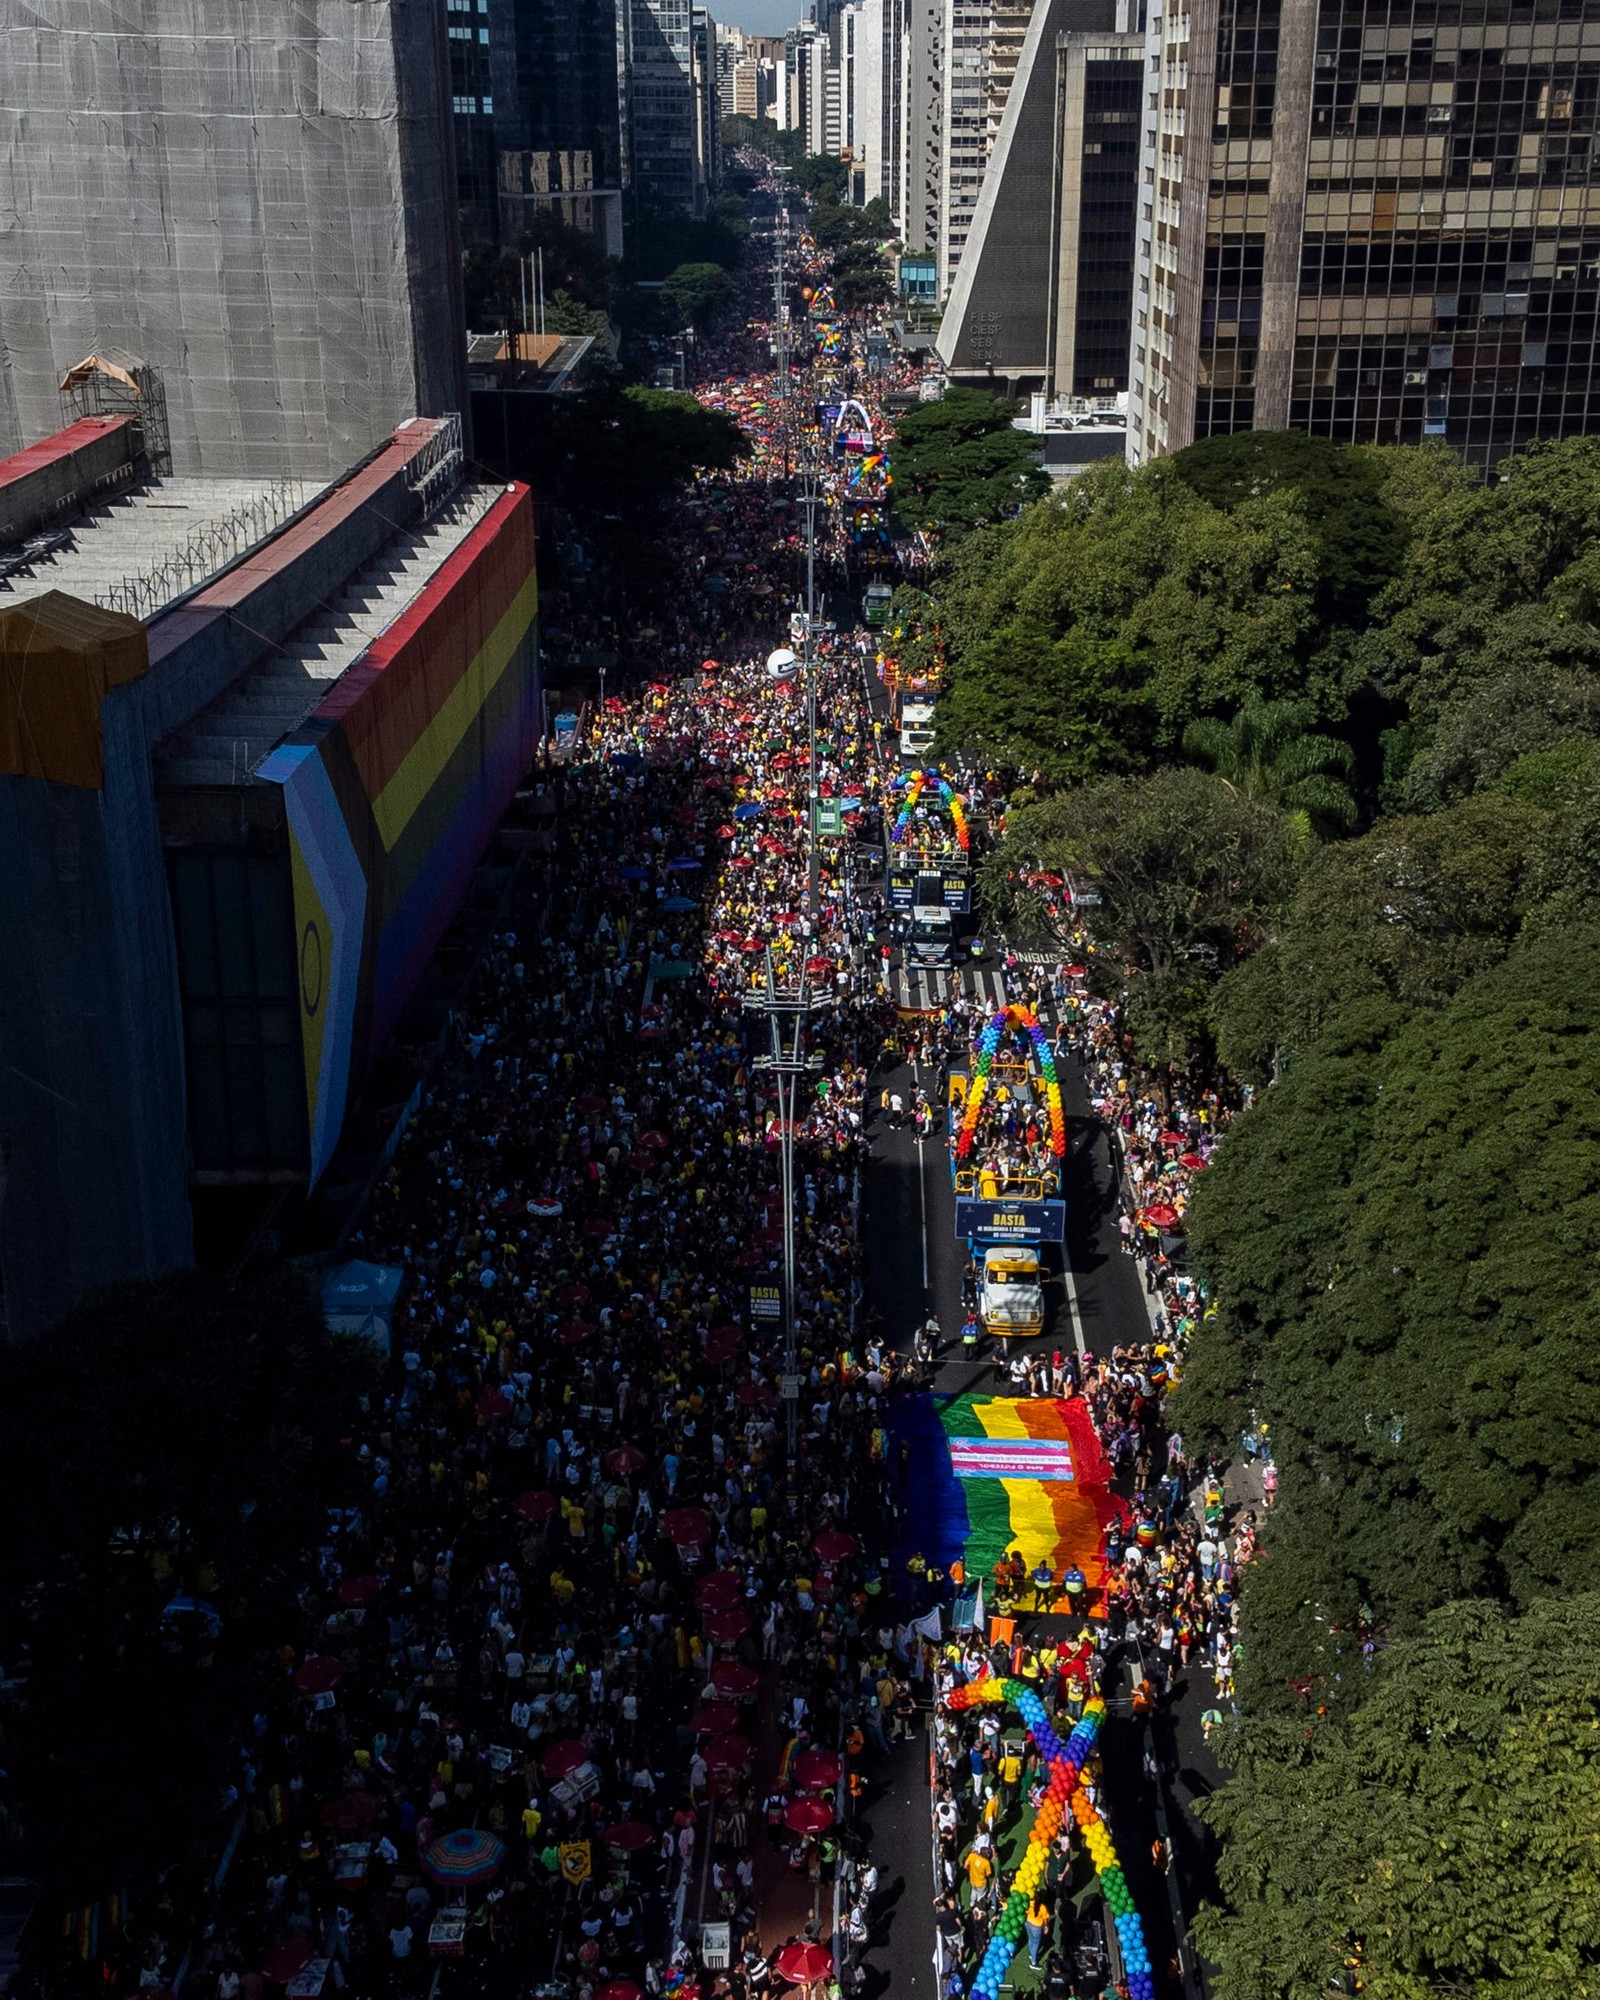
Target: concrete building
(1042,300)
(558,115)
(663,103)
(1369,222)
(255,735)
(274,234)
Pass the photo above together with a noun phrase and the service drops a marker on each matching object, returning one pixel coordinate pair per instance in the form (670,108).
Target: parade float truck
(1008,1201)
(928,862)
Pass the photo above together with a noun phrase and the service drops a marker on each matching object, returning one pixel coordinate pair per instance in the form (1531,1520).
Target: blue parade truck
(1009,1204)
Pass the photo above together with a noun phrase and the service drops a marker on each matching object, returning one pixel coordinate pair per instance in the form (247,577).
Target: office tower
(861,96)
(557,111)
(708,115)
(1042,299)
(1369,222)
(273,234)
(472,104)
(656,80)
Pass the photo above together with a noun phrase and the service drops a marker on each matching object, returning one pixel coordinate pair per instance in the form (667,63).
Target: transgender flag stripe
(1011,1458)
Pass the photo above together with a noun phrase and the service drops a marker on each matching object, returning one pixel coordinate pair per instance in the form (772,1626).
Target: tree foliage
(699,292)
(961,462)
(615,452)
(1439,1840)
(1270,751)
(1185,869)
(1403,1237)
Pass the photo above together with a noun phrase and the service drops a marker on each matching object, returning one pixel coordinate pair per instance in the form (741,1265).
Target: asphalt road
(913,1264)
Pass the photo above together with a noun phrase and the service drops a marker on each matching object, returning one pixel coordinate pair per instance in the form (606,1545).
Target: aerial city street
(799,966)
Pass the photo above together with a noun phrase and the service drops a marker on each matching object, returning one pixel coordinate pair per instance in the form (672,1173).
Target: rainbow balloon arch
(1065,1793)
(986,1047)
(916,785)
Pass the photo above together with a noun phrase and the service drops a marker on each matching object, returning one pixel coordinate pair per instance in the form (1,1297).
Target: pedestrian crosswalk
(925,989)
(985,985)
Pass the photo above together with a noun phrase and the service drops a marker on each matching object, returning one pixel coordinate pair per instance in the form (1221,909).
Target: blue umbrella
(627,760)
(748,811)
(678,903)
(685,861)
(633,874)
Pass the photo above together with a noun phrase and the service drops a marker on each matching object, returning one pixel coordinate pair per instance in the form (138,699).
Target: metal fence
(209,548)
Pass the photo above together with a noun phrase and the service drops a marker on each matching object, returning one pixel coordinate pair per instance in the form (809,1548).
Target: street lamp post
(787,1012)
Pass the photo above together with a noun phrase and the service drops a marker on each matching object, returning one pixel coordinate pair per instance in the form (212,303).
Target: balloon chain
(985,1047)
(1065,1792)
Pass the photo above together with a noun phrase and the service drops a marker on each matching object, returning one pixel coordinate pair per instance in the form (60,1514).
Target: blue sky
(759,17)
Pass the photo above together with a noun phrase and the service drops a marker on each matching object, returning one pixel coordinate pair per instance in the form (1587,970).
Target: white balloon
(780,662)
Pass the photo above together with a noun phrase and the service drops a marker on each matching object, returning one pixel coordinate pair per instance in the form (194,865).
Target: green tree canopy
(960,462)
(1403,1236)
(1186,871)
(699,291)
(1440,1840)
(823,176)
(1271,752)
(613,453)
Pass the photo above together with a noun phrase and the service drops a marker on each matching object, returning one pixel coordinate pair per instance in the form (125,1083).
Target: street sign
(830,819)
(789,1388)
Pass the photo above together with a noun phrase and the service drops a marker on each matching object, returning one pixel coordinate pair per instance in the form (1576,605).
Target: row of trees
(1323,726)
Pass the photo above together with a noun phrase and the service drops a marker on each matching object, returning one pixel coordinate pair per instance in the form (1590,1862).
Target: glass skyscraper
(1375,222)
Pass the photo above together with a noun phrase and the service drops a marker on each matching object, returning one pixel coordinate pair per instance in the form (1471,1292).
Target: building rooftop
(224,743)
(140,550)
(544,362)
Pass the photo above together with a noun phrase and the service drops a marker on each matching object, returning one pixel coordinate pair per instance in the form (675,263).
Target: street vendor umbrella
(689,1527)
(814,1770)
(628,1836)
(359,1589)
(804,1963)
(492,1405)
(727,1626)
(716,1718)
(1192,1161)
(718,1590)
(749,810)
(470,1854)
(572,1295)
(590,1103)
(321,1674)
(677,905)
(833,1545)
(754,1395)
(818,966)
(624,1458)
(728,1753)
(351,1811)
(1162,1216)
(571,1331)
(708,666)
(722,1345)
(1173,1139)
(660,1139)
(807,1816)
(534,1506)
(730,1677)
(601,1227)
(563,1758)
(286,1960)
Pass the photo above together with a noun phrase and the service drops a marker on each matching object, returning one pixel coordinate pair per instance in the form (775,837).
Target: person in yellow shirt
(980,1875)
(1036,1921)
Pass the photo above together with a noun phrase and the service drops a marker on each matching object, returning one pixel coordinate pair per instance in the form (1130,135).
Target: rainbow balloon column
(987,1043)
(1064,1793)
(918,783)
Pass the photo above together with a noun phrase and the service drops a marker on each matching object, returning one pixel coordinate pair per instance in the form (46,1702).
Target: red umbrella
(590,1103)
(656,687)
(351,1810)
(706,667)
(571,1331)
(321,1674)
(834,1545)
(726,832)
(572,1295)
(783,761)
(359,1589)
(818,966)
(806,1816)
(719,1591)
(492,1406)
(624,1458)
(805,1964)
(628,1836)
(641,1162)
(1162,1216)
(535,1506)
(563,1758)
(619,1989)
(715,1719)
(726,1626)
(600,1228)
(814,1770)
(722,1344)
(687,1526)
(728,1753)
(754,1395)
(1192,1161)
(768,1239)
(729,1677)
(1173,1139)
(287,1959)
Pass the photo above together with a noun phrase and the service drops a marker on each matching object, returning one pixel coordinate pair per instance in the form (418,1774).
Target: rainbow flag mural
(992,1473)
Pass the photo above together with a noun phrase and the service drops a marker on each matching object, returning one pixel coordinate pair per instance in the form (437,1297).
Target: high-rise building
(1042,298)
(274,235)
(656,75)
(1369,221)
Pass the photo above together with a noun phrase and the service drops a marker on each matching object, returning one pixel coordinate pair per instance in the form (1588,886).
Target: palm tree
(1269,752)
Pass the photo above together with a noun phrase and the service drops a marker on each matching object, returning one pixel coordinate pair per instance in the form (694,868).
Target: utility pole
(787,1012)
(811,499)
